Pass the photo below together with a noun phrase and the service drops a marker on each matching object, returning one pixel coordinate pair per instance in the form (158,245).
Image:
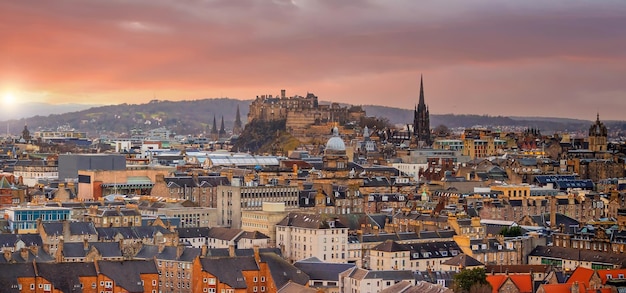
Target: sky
(559,58)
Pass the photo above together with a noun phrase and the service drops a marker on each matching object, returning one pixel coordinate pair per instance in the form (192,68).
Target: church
(421,121)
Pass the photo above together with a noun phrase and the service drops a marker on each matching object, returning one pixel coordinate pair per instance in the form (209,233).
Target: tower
(222,129)
(237,127)
(421,119)
(214,134)
(598,136)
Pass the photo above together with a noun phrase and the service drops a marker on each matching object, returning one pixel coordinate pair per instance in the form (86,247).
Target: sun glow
(8,99)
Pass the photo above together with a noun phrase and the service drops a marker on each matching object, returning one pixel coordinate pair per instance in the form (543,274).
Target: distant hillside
(195,117)
(545,124)
(182,117)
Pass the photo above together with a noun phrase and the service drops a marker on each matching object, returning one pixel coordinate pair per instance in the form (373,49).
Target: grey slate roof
(224,233)
(41,256)
(463,260)
(282,271)
(127,274)
(109,233)
(228,269)
(310,221)
(391,246)
(318,270)
(106,249)
(252,235)
(394,275)
(579,254)
(168,253)
(9,240)
(193,232)
(10,273)
(65,276)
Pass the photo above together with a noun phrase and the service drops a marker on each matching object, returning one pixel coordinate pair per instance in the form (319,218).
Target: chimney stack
(231,250)
(257,255)
(553,212)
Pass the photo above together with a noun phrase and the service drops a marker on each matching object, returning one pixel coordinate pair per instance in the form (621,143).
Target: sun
(8,99)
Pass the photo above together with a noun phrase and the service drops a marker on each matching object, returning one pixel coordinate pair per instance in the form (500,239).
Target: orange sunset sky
(561,58)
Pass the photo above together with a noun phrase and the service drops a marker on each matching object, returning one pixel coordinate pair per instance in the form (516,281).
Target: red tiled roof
(614,274)
(556,288)
(496,281)
(523,282)
(581,275)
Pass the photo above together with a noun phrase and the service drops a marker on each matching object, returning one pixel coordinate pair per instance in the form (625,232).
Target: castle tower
(421,120)
(598,136)
(237,127)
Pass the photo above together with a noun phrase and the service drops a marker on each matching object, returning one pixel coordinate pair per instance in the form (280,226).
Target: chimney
(359,234)
(231,250)
(24,252)
(257,256)
(59,252)
(376,230)
(282,93)
(35,250)
(7,255)
(161,246)
(203,250)
(553,213)
(66,228)
(575,287)
(85,244)
(180,248)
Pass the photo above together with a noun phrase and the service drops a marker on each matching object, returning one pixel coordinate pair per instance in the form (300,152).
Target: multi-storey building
(113,217)
(391,255)
(24,219)
(301,236)
(32,171)
(233,200)
(264,221)
(189,216)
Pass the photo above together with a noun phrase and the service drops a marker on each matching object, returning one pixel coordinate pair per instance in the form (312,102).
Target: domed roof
(335,143)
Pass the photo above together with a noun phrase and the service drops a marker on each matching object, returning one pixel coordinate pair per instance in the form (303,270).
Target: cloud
(472,53)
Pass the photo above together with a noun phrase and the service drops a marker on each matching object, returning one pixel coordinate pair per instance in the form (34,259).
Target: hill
(182,117)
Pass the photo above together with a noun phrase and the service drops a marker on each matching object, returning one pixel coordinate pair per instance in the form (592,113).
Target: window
(254,279)
(211,281)
(262,278)
(153,282)
(32,286)
(93,285)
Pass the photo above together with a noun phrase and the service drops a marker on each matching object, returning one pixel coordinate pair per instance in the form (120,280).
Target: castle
(301,112)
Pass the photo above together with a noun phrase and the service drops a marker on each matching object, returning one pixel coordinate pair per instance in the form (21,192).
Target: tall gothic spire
(237,127)
(222,129)
(214,129)
(422,90)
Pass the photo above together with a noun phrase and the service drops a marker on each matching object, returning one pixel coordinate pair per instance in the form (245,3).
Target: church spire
(422,91)
(222,129)
(214,129)
(237,127)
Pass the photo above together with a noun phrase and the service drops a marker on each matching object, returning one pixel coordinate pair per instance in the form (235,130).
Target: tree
(470,280)
(441,131)
(513,231)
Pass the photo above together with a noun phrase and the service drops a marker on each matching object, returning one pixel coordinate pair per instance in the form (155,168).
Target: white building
(233,200)
(301,236)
